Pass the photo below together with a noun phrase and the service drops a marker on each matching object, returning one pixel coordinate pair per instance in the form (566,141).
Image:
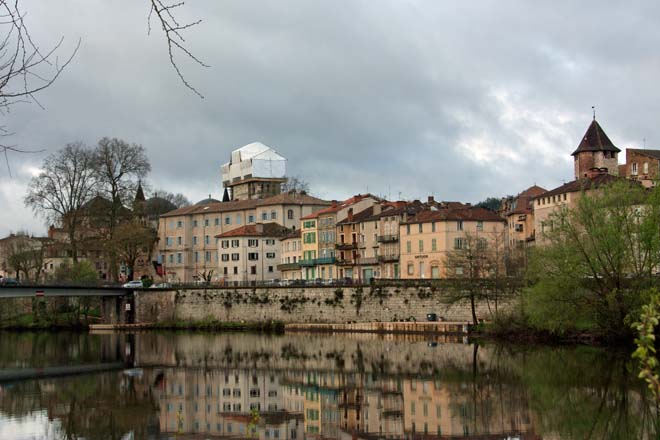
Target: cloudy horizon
(403,99)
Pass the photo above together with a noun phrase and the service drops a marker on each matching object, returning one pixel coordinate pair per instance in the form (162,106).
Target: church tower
(596,150)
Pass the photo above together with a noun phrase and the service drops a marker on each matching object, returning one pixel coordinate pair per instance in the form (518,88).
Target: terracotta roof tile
(260,230)
(584,183)
(472,213)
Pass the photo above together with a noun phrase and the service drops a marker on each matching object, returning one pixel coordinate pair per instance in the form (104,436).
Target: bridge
(30,291)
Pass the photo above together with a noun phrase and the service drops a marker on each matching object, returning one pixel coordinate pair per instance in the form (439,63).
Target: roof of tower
(595,139)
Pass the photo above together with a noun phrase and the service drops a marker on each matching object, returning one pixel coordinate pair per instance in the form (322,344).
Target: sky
(404,99)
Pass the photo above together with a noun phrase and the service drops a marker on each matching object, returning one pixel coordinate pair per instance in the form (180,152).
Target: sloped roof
(595,139)
(650,153)
(341,205)
(533,191)
(584,183)
(361,216)
(472,213)
(296,233)
(267,230)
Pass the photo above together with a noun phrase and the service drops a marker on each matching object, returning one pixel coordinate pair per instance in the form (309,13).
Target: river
(274,387)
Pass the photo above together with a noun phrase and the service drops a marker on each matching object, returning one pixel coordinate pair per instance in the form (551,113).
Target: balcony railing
(288,266)
(388,238)
(326,260)
(388,258)
(307,263)
(346,246)
(344,262)
(367,261)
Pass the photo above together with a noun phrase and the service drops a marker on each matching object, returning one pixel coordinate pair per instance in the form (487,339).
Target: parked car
(284,283)
(9,282)
(135,284)
(160,286)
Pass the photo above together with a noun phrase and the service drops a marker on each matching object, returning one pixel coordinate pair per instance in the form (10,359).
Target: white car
(160,286)
(135,284)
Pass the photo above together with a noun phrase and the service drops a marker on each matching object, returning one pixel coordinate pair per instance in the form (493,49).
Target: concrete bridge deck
(30,291)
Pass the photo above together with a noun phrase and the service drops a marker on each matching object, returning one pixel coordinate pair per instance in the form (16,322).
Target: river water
(199,386)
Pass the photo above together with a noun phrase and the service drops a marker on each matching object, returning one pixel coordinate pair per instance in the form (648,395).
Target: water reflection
(196,386)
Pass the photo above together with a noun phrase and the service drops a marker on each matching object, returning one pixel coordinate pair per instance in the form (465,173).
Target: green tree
(596,261)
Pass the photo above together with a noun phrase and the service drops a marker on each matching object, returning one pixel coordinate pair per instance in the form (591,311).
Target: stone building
(191,229)
(428,239)
(641,165)
(519,214)
(250,253)
(595,150)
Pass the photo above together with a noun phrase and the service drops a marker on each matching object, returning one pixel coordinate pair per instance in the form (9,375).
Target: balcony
(346,246)
(367,261)
(307,263)
(344,262)
(388,258)
(288,266)
(326,260)
(388,238)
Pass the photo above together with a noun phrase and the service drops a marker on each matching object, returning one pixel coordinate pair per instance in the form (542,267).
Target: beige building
(358,244)
(290,256)
(184,231)
(250,253)
(428,238)
(519,214)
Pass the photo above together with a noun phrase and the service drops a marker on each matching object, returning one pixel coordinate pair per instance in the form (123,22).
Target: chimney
(431,199)
(350,214)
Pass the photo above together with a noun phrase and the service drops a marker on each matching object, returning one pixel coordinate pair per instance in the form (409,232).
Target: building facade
(518,212)
(642,166)
(291,254)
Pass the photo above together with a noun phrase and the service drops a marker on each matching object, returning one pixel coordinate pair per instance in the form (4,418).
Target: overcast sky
(406,98)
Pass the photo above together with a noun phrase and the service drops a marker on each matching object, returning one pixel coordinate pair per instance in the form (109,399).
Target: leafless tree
(178,199)
(67,181)
(295,183)
(173,29)
(25,67)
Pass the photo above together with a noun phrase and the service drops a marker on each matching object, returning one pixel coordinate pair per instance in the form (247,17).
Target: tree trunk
(474,309)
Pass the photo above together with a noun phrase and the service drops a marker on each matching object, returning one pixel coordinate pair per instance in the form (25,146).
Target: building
(290,255)
(319,239)
(428,239)
(518,212)
(642,166)
(30,255)
(250,253)
(595,150)
(191,229)
(255,171)
(358,244)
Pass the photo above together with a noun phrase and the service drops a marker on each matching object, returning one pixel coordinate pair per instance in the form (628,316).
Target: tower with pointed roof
(596,150)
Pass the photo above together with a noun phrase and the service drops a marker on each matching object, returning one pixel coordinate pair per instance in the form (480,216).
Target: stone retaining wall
(308,304)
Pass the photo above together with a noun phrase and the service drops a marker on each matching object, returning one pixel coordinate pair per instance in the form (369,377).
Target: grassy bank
(60,321)
(221,326)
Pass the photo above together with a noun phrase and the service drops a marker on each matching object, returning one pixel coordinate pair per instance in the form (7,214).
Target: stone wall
(308,304)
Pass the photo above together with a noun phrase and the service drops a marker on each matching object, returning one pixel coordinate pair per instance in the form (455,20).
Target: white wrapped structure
(251,164)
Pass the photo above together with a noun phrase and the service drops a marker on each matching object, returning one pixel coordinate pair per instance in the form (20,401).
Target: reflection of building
(231,403)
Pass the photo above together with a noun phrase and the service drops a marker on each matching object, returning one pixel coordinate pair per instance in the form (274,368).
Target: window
(270,269)
(235,243)
(411,269)
(289,214)
(309,224)
(459,225)
(168,241)
(238,219)
(421,244)
(646,167)
(179,241)
(264,216)
(194,240)
(253,256)
(408,246)
(270,254)
(225,271)
(309,237)
(253,270)
(225,244)
(434,245)
(179,224)
(194,223)
(179,258)
(206,222)
(237,392)
(253,242)
(408,229)
(207,239)
(207,256)
(480,226)
(459,243)
(217,221)
(225,257)
(481,244)
(235,257)
(196,256)
(421,228)
(634,168)
(250,218)
(171,258)
(235,270)
(228,220)
(433,227)
(270,242)
(254,392)
(273,215)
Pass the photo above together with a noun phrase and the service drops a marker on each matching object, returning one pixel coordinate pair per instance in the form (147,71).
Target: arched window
(289,214)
